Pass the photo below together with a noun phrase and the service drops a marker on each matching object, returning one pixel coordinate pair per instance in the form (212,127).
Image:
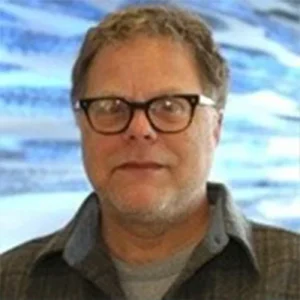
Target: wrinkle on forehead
(131,61)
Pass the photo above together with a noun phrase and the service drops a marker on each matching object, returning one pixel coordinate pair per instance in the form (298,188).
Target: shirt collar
(68,239)
(82,234)
(234,223)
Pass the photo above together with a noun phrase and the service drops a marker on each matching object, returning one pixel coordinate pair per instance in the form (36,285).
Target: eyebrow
(159,92)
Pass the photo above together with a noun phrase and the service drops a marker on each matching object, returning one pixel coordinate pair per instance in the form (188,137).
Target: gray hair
(156,20)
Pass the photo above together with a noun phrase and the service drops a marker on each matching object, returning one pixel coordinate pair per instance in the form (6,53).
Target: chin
(149,209)
(137,200)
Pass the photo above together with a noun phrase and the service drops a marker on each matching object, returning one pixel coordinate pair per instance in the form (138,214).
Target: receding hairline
(140,35)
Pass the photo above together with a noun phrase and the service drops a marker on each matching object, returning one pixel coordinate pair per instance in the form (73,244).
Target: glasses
(167,113)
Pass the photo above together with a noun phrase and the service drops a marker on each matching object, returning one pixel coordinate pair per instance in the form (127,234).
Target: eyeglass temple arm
(209,102)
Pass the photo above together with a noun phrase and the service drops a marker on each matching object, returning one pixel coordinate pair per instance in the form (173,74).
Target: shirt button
(217,240)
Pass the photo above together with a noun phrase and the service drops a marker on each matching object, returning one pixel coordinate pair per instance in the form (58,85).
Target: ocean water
(42,181)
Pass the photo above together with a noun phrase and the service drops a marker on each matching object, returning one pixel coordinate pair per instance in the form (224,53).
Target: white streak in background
(58,66)
(107,6)
(35,78)
(33,215)
(41,128)
(280,210)
(244,35)
(75,169)
(268,5)
(285,174)
(285,147)
(47,22)
(217,172)
(262,102)
(10,142)
(261,108)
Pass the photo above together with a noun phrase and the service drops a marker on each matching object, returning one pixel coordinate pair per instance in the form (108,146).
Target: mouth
(141,166)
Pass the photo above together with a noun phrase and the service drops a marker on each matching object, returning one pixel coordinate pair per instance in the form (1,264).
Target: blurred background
(42,181)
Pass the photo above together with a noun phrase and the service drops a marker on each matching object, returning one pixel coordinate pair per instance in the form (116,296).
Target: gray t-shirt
(151,281)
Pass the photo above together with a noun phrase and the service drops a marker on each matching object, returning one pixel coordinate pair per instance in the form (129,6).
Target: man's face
(164,176)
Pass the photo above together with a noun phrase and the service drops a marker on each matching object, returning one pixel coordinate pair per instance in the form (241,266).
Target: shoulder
(20,259)
(24,256)
(276,243)
(17,263)
(278,253)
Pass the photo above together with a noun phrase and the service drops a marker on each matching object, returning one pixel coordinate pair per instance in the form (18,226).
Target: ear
(79,120)
(218,127)
(76,116)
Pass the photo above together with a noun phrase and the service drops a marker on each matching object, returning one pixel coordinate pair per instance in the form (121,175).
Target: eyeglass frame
(193,99)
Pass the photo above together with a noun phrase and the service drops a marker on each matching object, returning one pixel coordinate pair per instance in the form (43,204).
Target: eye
(171,105)
(108,106)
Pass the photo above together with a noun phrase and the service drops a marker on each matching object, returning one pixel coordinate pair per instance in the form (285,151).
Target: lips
(140,165)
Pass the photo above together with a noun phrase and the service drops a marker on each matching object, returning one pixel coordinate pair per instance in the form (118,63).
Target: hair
(156,20)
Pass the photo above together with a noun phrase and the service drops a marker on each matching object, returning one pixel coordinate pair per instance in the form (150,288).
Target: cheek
(196,152)
(199,148)
(95,157)
(204,131)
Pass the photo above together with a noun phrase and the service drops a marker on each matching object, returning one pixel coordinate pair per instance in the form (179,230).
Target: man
(149,88)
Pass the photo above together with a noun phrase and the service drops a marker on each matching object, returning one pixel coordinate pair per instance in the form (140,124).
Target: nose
(140,128)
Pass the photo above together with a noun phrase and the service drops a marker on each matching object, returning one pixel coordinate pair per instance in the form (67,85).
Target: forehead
(143,64)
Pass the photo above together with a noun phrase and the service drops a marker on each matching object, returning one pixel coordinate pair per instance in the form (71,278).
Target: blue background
(42,181)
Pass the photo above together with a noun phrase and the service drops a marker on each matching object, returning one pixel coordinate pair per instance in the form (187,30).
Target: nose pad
(140,127)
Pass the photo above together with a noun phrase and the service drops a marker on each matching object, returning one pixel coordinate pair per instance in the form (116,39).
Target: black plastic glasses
(167,113)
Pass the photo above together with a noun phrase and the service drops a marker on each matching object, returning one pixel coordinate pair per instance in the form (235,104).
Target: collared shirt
(237,259)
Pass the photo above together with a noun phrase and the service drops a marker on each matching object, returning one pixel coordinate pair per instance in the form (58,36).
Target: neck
(138,243)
